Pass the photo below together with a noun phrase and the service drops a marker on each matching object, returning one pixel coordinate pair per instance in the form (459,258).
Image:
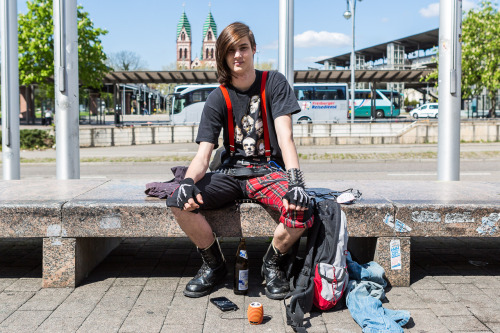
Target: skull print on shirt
(250,130)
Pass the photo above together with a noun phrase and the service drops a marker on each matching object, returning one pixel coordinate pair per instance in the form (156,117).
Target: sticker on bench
(395,254)
(488,224)
(111,222)
(397,226)
(465,217)
(425,216)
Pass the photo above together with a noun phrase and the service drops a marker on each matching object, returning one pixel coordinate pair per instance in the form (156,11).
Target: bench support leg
(67,261)
(396,277)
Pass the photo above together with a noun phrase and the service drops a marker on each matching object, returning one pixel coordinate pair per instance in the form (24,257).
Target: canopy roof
(300,76)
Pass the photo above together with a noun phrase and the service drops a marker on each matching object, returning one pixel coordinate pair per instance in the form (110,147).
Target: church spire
(209,36)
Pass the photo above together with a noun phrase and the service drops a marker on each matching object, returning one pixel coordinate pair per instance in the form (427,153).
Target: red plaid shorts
(269,190)
(219,189)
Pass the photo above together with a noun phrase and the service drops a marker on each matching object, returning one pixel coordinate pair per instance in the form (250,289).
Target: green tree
(481,53)
(36,47)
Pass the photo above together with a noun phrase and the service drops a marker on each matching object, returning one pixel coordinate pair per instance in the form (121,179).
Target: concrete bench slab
(33,208)
(81,221)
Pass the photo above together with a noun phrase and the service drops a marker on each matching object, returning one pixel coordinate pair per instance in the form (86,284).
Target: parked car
(425,111)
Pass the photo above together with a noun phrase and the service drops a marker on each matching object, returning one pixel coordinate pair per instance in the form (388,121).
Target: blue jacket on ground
(364,299)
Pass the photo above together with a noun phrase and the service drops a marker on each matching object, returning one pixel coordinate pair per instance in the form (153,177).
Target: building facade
(206,58)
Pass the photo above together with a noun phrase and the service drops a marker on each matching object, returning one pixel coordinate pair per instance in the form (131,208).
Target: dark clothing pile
(163,190)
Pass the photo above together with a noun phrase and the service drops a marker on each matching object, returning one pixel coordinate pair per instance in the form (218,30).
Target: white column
(10,91)
(286,39)
(450,74)
(66,89)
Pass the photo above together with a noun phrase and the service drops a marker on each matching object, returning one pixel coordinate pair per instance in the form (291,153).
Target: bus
(321,103)
(325,103)
(188,102)
(363,100)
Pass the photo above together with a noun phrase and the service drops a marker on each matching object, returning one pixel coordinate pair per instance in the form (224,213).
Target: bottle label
(243,279)
(243,254)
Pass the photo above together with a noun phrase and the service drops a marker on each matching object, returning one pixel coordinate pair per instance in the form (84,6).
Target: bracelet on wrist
(295,177)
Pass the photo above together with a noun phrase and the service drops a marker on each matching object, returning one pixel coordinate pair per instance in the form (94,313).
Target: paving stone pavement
(138,288)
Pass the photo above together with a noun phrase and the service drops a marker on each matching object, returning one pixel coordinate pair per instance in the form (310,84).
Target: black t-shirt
(247,114)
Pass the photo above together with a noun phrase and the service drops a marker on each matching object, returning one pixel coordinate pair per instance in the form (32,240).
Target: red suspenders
(230,122)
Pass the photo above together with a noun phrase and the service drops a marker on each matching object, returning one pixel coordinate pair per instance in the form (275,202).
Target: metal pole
(450,72)
(10,92)
(123,100)
(286,18)
(353,59)
(66,89)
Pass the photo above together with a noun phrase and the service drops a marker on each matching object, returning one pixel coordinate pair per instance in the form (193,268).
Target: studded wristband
(295,177)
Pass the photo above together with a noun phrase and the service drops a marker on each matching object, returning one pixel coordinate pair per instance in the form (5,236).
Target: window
(185,53)
(395,97)
(424,107)
(183,36)
(197,96)
(206,53)
(209,35)
(180,53)
(212,53)
(304,93)
(318,93)
(433,107)
(362,95)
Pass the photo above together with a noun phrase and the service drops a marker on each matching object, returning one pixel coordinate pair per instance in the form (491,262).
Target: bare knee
(285,237)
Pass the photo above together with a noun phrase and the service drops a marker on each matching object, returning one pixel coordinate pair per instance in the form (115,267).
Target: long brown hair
(231,35)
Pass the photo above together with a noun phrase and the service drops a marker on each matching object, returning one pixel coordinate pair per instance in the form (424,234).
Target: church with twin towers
(206,58)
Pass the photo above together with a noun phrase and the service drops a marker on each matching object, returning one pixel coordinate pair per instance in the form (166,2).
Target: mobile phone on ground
(224,304)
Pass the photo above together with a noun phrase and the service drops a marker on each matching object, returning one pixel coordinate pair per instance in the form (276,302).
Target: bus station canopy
(300,76)
(422,41)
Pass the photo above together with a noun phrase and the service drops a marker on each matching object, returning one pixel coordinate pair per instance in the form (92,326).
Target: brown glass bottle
(241,269)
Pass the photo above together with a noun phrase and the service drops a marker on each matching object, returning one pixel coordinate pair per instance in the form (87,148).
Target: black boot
(273,270)
(211,272)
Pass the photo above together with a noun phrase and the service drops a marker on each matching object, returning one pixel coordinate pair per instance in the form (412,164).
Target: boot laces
(202,271)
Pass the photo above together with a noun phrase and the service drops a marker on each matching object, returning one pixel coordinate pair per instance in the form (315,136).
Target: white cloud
(433,8)
(312,38)
(430,11)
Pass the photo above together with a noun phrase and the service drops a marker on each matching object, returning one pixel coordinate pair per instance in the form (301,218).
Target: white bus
(322,103)
(188,102)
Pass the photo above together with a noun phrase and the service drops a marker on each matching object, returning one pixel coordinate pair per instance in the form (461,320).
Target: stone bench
(81,221)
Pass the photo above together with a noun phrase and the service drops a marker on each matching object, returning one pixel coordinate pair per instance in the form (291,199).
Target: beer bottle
(241,269)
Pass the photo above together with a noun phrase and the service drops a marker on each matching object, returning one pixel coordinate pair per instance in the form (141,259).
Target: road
(362,162)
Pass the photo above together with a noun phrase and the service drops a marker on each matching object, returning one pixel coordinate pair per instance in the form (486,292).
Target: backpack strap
(230,125)
(230,121)
(301,299)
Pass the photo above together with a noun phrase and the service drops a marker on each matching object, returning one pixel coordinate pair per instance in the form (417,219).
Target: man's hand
(188,196)
(296,198)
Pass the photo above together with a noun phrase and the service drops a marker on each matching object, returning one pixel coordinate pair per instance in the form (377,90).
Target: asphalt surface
(400,162)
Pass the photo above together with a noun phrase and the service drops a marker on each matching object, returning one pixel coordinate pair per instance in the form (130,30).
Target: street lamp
(351,12)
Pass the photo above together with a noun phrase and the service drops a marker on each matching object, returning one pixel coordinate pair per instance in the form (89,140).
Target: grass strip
(306,157)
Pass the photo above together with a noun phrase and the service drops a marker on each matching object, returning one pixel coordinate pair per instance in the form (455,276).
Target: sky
(148,27)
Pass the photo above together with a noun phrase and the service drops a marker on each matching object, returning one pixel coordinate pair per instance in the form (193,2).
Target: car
(425,111)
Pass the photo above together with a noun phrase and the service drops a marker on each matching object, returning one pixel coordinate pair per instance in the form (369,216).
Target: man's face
(249,146)
(247,123)
(239,57)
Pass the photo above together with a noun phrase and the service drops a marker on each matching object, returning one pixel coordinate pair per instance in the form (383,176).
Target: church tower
(209,37)
(183,43)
